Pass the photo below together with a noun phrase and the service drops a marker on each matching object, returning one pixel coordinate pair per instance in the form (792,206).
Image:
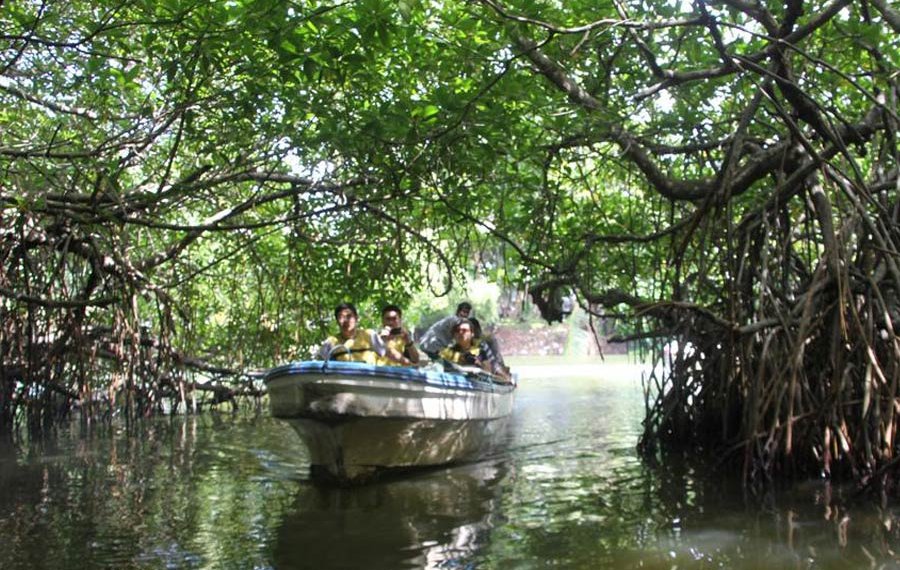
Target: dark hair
(462,322)
(342,306)
(465,305)
(392,308)
(476,327)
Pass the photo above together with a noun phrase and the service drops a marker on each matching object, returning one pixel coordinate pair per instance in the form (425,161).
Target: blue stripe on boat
(431,377)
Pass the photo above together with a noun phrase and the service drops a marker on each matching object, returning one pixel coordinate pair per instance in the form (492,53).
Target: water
(222,491)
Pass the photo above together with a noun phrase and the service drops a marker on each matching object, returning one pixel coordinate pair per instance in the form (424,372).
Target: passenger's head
(476,327)
(345,307)
(346,316)
(391,316)
(463,310)
(463,332)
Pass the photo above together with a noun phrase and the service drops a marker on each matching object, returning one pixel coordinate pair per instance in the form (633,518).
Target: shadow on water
(695,518)
(568,491)
(424,520)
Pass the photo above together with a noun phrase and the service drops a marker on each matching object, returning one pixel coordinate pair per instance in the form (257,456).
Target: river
(231,491)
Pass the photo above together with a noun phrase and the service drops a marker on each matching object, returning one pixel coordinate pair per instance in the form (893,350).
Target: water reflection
(812,525)
(569,492)
(432,520)
(168,493)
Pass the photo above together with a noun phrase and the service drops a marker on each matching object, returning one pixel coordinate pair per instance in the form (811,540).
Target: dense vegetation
(189,187)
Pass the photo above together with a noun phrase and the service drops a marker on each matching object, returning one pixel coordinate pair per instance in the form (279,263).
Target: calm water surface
(222,491)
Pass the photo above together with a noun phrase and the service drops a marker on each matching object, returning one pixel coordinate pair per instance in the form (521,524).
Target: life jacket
(395,342)
(456,354)
(356,349)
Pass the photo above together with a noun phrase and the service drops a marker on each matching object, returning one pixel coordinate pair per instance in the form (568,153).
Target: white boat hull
(359,420)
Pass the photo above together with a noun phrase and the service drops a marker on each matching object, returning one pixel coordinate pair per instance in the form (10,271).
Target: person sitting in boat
(440,334)
(466,351)
(352,344)
(401,350)
(489,347)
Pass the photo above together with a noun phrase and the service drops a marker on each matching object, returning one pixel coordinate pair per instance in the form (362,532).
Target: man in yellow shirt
(440,334)
(352,344)
(467,351)
(401,350)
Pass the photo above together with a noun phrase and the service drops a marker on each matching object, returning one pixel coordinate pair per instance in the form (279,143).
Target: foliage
(764,162)
(190,187)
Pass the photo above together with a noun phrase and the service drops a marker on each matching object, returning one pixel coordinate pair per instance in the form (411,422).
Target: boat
(360,420)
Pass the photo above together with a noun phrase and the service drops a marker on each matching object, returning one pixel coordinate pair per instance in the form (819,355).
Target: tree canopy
(192,185)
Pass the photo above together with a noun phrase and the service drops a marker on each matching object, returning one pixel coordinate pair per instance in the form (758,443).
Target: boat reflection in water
(437,519)
(359,420)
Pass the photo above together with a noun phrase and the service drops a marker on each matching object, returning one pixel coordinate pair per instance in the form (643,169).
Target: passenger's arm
(410,347)
(386,350)
(324,351)
(396,355)
(413,352)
